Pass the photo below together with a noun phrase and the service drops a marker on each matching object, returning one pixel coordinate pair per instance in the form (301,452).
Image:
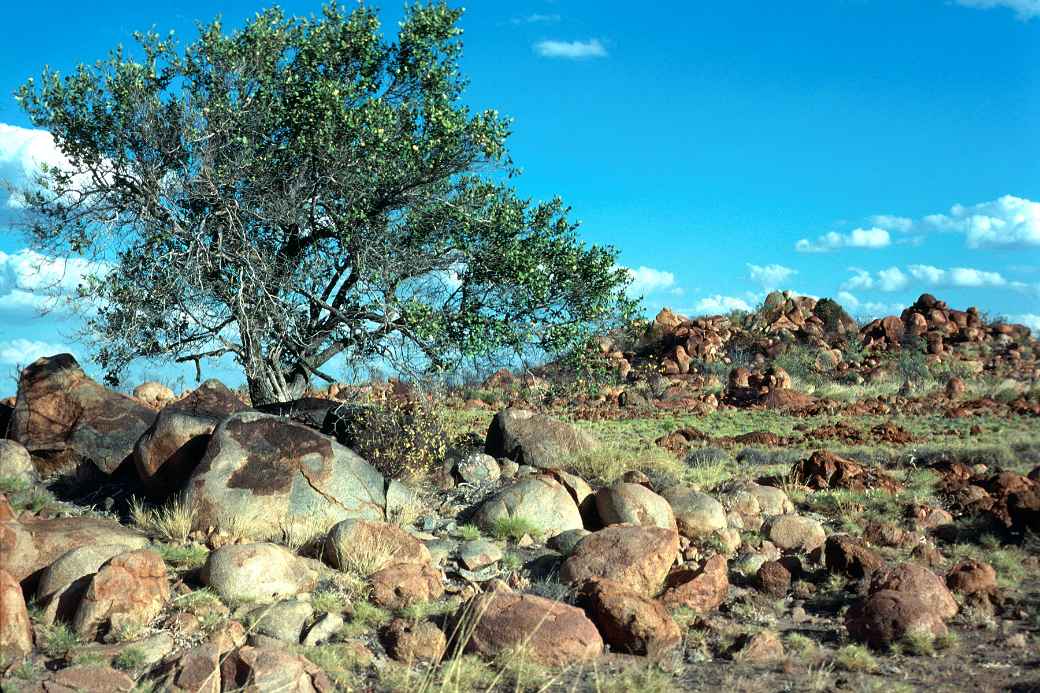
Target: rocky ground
(775,501)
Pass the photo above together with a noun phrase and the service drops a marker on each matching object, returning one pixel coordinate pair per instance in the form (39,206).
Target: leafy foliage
(402,437)
(302,189)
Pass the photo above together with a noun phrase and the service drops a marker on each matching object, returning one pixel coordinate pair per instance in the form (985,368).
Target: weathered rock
(401,585)
(154,394)
(540,500)
(771,500)
(774,578)
(30,544)
(196,670)
(971,577)
(478,468)
(323,629)
(634,504)
(403,547)
(65,418)
(629,622)
(565,542)
(479,553)
(170,450)
(915,579)
(15,462)
(825,470)
(266,670)
(87,678)
(701,589)
(886,616)
(263,472)
(282,620)
(550,632)
(763,646)
(16,635)
(851,557)
(796,533)
(697,515)
(256,573)
(212,399)
(128,592)
(412,642)
(64,582)
(636,557)
(534,439)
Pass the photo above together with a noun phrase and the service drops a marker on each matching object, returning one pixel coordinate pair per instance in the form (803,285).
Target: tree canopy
(303,188)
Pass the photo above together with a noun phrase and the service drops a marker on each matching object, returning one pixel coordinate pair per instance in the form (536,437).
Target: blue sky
(867,150)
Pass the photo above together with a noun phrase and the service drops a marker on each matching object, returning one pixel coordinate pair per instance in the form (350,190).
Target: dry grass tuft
(171,522)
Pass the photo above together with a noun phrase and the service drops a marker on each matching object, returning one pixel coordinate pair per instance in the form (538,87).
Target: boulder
(128,592)
(87,678)
(915,579)
(282,620)
(170,450)
(971,577)
(540,500)
(478,468)
(629,622)
(886,616)
(154,394)
(551,633)
(771,500)
(636,557)
(256,573)
(625,503)
(697,515)
(15,462)
(701,589)
(196,670)
(267,670)
(534,439)
(796,533)
(30,544)
(409,642)
(64,582)
(850,556)
(64,418)
(401,585)
(774,578)
(261,473)
(211,398)
(479,553)
(16,634)
(349,533)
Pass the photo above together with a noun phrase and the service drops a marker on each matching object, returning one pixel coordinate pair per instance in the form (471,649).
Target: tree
(301,189)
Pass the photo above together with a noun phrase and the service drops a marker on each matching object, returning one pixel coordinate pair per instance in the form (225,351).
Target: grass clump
(129,659)
(919,643)
(855,658)
(170,523)
(513,528)
(340,661)
(468,532)
(329,601)
(183,557)
(366,617)
(59,640)
(646,679)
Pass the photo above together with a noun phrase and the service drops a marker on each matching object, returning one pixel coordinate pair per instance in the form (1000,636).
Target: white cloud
(848,301)
(22,352)
(22,152)
(29,280)
(892,223)
(891,279)
(873,237)
(646,280)
(957,276)
(770,276)
(535,19)
(1024,9)
(571,50)
(1030,320)
(718,304)
(1007,221)
(895,279)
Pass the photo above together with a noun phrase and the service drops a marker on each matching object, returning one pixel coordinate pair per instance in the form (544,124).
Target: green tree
(301,189)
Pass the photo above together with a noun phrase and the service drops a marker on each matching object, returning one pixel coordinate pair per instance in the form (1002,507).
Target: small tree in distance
(302,189)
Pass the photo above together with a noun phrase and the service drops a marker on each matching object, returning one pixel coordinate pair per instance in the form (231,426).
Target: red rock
(849,556)
(636,557)
(702,590)
(130,590)
(774,578)
(628,622)
(266,669)
(16,635)
(971,577)
(915,579)
(886,616)
(410,642)
(551,633)
(403,584)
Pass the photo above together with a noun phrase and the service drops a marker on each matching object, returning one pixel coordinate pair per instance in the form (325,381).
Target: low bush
(401,438)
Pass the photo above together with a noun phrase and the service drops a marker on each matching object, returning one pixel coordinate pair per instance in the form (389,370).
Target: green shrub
(401,438)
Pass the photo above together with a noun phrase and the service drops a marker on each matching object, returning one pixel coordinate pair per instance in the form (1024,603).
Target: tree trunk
(269,387)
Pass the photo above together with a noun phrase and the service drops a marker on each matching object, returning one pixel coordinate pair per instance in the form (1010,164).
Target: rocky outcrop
(534,439)
(262,473)
(64,418)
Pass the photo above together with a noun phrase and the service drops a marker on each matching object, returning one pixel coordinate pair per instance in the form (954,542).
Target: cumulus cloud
(22,152)
(29,280)
(770,276)
(22,352)
(1007,221)
(892,223)
(895,279)
(571,50)
(717,304)
(874,237)
(646,280)
(1024,9)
